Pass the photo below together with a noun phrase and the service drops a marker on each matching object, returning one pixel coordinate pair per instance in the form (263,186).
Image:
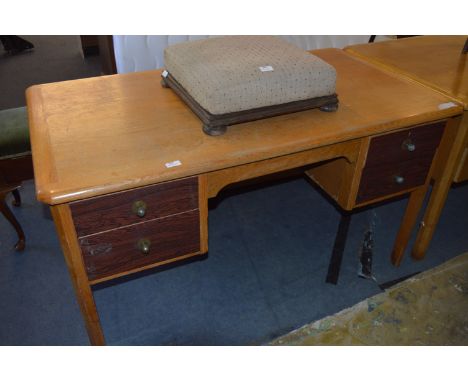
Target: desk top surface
(435,61)
(105,134)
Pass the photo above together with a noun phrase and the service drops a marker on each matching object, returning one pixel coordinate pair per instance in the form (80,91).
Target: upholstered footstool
(15,162)
(236,79)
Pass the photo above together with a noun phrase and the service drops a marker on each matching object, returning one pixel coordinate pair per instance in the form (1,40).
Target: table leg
(19,246)
(443,181)
(17,197)
(413,207)
(338,248)
(72,252)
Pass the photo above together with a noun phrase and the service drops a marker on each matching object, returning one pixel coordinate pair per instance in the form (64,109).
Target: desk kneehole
(129,231)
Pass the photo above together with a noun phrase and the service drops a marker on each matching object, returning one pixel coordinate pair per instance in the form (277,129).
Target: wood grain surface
(116,251)
(436,61)
(72,253)
(387,158)
(100,135)
(379,180)
(221,178)
(451,149)
(389,148)
(113,211)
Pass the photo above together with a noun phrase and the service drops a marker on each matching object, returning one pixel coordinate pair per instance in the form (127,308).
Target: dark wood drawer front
(399,161)
(396,147)
(117,210)
(117,251)
(378,181)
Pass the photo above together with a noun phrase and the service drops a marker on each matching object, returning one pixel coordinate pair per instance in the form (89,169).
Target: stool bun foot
(214,131)
(331,107)
(164,83)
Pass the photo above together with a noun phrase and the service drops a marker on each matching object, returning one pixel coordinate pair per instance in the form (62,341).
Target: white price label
(267,68)
(173,163)
(446,105)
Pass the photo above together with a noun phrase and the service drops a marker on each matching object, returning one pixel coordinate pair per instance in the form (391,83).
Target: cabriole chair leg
(5,210)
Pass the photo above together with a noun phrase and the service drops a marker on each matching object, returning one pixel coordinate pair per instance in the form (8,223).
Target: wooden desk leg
(443,181)
(406,227)
(72,252)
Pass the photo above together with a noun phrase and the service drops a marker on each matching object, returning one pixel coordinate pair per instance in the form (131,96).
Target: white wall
(137,53)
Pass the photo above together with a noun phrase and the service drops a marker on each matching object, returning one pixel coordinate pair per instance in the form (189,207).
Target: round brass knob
(139,208)
(409,145)
(399,179)
(144,246)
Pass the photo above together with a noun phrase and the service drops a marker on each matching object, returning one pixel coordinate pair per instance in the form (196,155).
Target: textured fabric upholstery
(14,132)
(236,73)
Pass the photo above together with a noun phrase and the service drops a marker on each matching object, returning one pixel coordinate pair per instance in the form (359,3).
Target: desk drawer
(391,178)
(399,161)
(417,142)
(129,207)
(117,251)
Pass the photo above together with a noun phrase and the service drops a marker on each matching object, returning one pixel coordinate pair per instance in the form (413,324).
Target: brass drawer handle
(139,208)
(144,246)
(399,179)
(408,145)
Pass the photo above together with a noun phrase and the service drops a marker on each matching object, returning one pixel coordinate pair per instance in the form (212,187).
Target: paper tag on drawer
(447,105)
(173,164)
(165,73)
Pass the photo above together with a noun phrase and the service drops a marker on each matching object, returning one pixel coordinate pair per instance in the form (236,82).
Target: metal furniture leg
(338,248)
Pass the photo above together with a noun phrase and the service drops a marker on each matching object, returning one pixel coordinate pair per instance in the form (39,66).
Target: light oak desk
(438,63)
(104,148)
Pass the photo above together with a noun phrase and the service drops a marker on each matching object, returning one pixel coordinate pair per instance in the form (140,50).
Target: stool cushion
(14,132)
(237,73)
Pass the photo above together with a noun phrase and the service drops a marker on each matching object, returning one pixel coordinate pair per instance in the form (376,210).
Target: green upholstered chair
(15,162)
